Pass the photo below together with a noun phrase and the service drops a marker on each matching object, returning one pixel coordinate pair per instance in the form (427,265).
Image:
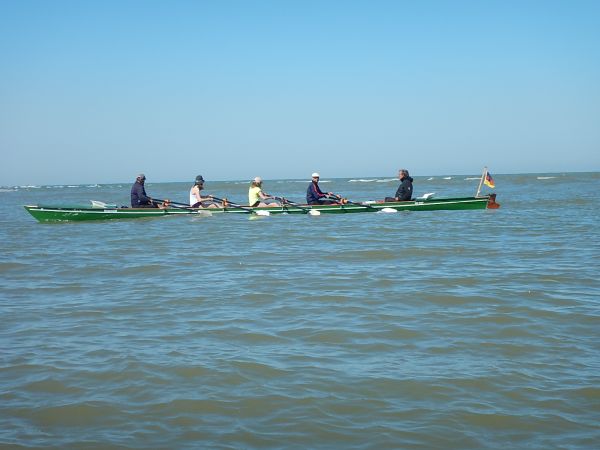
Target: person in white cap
(314,195)
(256,196)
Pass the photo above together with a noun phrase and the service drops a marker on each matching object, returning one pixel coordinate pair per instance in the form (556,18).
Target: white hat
(315,175)
(257,180)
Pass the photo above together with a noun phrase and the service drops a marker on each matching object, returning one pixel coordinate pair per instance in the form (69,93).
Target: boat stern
(491,204)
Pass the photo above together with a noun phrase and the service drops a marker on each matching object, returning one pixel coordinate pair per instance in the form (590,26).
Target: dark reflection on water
(473,329)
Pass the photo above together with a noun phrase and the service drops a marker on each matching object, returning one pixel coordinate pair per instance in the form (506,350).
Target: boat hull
(82,213)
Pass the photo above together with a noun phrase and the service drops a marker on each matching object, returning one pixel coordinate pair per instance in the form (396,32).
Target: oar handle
(165,201)
(226,202)
(289,202)
(181,204)
(178,206)
(283,200)
(344,201)
(336,197)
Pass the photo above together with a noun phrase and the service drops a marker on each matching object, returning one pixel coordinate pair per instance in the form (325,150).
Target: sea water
(445,329)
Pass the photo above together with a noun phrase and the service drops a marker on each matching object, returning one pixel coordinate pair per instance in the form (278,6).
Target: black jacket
(138,195)
(405,190)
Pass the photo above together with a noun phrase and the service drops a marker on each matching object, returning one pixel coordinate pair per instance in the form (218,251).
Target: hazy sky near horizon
(98,91)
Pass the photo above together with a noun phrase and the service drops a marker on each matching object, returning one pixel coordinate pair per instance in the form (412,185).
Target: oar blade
(102,205)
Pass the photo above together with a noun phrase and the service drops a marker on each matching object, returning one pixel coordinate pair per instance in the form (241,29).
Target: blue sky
(97,91)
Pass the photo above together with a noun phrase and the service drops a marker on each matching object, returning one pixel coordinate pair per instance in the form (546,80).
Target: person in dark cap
(196,199)
(139,199)
(405,190)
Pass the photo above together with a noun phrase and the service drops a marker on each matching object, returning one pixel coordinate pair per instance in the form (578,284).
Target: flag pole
(483,174)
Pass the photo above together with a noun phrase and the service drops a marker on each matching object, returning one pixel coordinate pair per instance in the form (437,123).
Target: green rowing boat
(101,211)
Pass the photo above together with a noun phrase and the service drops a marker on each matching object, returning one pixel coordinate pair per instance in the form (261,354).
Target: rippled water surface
(449,329)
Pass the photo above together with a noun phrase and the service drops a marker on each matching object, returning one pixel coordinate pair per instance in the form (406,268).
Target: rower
(314,195)
(196,199)
(139,199)
(256,196)
(405,190)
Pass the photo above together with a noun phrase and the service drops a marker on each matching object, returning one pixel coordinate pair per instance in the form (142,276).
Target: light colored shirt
(193,198)
(254,195)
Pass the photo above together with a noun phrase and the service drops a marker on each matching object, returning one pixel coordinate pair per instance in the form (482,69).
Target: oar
(367,205)
(312,212)
(175,205)
(345,200)
(235,205)
(180,205)
(336,197)
(171,202)
(99,204)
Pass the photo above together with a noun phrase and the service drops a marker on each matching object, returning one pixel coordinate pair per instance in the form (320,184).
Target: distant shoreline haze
(390,178)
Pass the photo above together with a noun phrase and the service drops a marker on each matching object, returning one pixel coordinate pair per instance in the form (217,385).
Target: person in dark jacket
(405,190)
(139,199)
(314,195)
